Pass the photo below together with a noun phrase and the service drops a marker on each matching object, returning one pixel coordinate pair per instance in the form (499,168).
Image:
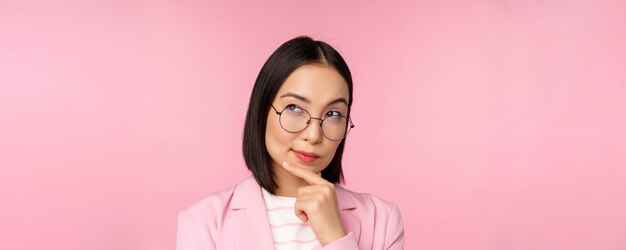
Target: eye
(293,108)
(333,113)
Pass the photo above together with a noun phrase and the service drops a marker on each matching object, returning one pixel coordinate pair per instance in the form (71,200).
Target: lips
(306,156)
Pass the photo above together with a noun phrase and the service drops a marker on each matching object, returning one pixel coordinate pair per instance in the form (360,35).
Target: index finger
(307,175)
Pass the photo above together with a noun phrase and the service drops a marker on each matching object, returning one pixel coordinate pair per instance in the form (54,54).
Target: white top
(288,230)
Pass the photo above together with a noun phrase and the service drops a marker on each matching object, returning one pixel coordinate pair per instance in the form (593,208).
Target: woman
(294,135)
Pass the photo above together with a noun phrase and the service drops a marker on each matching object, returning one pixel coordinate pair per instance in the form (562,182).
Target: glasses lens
(335,127)
(294,119)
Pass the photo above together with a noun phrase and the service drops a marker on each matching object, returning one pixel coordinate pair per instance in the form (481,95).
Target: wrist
(333,237)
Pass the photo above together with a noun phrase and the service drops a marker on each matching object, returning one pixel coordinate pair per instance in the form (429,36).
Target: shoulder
(211,205)
(212,209)
(200,224)
(210,212)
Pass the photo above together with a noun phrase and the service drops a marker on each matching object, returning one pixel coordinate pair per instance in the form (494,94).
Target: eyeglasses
(294,119)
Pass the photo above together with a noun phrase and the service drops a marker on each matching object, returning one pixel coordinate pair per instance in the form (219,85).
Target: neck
(288,183)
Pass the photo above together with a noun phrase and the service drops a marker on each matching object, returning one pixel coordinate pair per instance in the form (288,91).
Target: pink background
(492,124)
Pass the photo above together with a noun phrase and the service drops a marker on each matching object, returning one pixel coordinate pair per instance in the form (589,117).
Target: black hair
(288,57)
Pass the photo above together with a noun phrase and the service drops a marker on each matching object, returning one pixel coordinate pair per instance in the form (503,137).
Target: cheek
(276,139)
(331,149)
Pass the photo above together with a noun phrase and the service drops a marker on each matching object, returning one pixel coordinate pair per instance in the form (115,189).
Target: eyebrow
(304,99)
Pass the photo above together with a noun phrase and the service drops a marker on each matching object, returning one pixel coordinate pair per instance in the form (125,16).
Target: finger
(302,216)
(300,213)
(304,190)
(307,175)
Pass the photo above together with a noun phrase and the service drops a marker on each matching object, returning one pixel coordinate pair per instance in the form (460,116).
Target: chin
(314,168)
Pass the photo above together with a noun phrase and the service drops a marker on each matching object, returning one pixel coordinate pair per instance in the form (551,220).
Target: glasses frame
(349,124)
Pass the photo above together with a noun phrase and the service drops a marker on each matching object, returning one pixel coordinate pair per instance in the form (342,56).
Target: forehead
(317,82)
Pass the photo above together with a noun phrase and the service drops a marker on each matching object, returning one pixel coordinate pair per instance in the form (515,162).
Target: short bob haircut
(288,57)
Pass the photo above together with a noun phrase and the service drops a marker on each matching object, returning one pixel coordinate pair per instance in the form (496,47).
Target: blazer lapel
(249,225)
(350,222)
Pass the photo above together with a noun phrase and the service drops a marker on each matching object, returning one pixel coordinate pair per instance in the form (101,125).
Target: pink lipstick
(306,156)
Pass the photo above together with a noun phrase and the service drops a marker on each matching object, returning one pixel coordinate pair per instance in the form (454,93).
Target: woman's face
(320,90)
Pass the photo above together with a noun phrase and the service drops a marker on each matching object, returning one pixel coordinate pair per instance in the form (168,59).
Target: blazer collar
(250,227)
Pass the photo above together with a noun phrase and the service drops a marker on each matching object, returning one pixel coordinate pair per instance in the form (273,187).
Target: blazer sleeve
(189,235)
(394,236)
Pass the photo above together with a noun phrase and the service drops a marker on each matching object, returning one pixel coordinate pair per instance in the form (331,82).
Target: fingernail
(284,164)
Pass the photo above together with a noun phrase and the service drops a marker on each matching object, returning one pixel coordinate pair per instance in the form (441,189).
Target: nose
(313,132)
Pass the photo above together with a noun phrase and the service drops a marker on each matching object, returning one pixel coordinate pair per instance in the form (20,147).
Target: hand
(317,204)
